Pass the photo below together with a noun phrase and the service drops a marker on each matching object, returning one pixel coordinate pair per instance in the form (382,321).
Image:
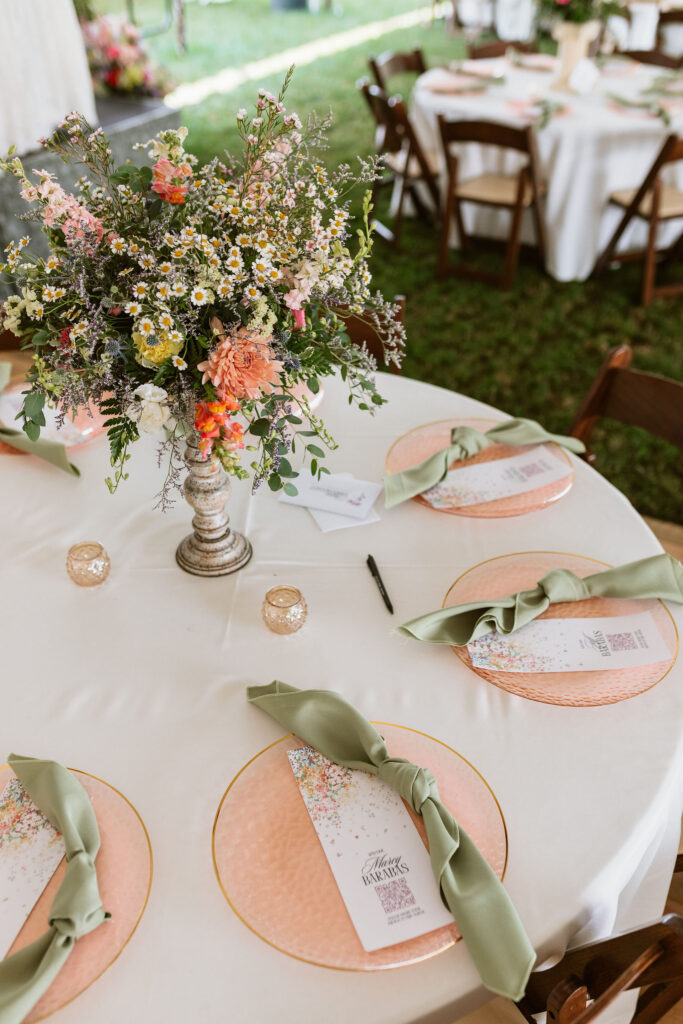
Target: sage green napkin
(466,441)
(659,576)
(469,888)
(76,909)
(51,451)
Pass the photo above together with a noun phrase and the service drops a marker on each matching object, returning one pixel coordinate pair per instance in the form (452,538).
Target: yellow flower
(157,348)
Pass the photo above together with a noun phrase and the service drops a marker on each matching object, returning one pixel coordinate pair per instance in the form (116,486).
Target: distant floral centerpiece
(212,298)
(118,60)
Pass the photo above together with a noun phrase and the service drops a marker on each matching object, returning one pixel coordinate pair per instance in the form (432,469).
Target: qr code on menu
(533,469)
(621,641)
(395,895)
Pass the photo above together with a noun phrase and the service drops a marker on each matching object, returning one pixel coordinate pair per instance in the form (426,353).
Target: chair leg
(422,211)
(398,219)
(655,1001)
(651,251)
(442,261)
(512,254)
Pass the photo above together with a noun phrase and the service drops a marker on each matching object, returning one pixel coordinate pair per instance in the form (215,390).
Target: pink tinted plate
(420,443)
(274,874)
(530,111)
(537,62)
(455,82)
(499,577)
(124,873)
(74,432)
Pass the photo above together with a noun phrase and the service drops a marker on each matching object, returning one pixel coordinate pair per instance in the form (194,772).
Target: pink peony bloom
(241,365)
(299,319)
(168,180)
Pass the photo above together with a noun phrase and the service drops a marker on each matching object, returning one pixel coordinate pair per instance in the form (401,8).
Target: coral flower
(241,365)
(299,319)
(169,180)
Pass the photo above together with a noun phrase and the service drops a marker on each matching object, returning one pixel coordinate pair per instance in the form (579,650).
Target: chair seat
(670,206)
(397,163)
(500,189)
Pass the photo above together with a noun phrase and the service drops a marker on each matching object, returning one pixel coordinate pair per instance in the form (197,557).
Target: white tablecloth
(142,683)
(585,154)
(43,71)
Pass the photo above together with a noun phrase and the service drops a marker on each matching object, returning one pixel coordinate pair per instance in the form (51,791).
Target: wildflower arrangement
(579,11)
(118,60)
(214,297)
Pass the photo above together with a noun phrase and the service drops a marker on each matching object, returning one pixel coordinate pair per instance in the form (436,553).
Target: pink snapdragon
(299,319)
(169,180)
(62,209)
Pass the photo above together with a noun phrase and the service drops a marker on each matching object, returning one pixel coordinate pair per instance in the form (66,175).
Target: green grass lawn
(532,351)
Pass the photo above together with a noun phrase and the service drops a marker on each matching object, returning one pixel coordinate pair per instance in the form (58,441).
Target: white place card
(30,850)
(488,481)
(329,521)
(335,492)
(377,857)
(573,645)
(584,77)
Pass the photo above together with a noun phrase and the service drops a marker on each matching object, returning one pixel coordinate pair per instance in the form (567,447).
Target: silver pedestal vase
(213,549)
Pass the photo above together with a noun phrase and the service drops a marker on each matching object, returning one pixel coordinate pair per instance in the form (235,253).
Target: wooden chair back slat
(499,49)
(652,955)
(387,137)
(638,399)
(389,63)
(656,57)
(487,133)
(361,332)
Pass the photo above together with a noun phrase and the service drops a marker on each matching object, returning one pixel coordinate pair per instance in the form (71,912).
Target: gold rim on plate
(71,999)
(317,963)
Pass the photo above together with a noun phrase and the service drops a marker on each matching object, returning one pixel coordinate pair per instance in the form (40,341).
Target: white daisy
(199,296)
(145,326)
(179,362)
(133,308)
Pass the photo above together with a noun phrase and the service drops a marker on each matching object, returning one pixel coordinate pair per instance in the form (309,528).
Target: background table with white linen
(142,683)
(585,154)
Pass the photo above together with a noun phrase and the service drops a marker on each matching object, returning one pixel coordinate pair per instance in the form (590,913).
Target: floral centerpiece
(579,11)
(118,60)
(206,302)
(576,24)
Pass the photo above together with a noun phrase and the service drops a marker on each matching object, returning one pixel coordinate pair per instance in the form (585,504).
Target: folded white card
(30,850)
(335,492)
(501,478)
(584,77)
(573,645)
(379,862)
(329,521)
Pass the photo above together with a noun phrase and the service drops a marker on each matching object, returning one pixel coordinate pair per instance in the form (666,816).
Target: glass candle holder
(88,564)
(284,609)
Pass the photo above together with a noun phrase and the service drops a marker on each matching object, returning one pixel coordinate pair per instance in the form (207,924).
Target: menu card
(377,857)
(488,481)
(30,850)
(573,645)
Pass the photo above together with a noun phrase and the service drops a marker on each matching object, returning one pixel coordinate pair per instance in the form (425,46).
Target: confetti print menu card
(30,850)
(377,857)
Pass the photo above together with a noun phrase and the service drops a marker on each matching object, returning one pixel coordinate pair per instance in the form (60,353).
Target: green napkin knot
(416,785)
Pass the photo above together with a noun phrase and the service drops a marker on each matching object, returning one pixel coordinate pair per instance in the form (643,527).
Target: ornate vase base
(213,557)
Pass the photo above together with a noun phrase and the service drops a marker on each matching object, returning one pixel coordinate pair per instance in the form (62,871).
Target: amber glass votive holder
(284,609)
(88,564)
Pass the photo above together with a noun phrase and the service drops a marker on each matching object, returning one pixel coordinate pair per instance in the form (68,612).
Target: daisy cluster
(223,288)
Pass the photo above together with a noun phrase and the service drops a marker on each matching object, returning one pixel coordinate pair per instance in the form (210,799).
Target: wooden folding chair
(654,202)
(672,17)
(390,63)
(643,400)
(499,49)
(363,332)
(657,57)
(513,192)
(403,157)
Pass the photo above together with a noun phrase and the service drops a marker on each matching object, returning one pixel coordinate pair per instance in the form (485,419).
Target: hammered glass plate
(499,577)
(421,442)
(124,874)
(274,873)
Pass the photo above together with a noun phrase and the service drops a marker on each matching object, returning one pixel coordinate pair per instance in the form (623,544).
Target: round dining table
(590,147)
(142,682)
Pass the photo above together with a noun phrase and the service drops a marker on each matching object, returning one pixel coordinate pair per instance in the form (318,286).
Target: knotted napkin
(77,908)
(659,576)
(466,441)
(469,888)
(51,451)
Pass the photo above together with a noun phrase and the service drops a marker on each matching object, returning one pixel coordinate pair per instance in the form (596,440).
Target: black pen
(372,566)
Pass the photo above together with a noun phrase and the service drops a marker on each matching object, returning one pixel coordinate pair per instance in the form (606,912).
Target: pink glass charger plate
(274,873)
(499,577)
(421,442)
(124,874)
(74,432)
